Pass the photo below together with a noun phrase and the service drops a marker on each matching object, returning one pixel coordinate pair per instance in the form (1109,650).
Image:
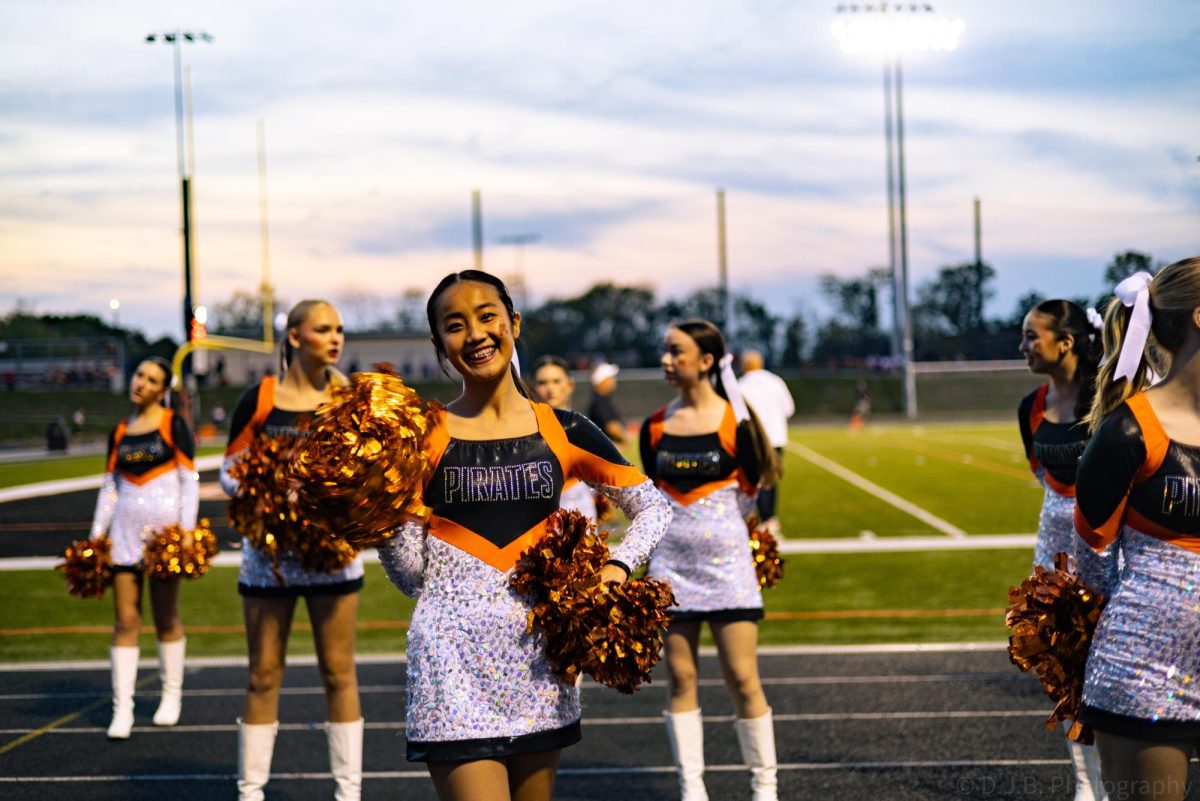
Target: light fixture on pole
(176,39)
(891,29)
(114,305)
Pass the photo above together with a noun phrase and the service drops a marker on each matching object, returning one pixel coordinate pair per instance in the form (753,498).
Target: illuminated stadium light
(201,315)
(882,33)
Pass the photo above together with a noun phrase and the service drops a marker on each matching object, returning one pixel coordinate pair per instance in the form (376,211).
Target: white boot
(345,758)
(686,733)
(1085,761)
(756,736)
(256,744)
(124,678)
(170,672)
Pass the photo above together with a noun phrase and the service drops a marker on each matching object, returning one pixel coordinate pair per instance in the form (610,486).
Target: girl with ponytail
(485,711)
(275,407)
(708,453)
(1138,507)
(1062,342)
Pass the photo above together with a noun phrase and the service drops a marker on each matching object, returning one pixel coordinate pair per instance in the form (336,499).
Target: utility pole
(477,227)
(726,297)
(268,300)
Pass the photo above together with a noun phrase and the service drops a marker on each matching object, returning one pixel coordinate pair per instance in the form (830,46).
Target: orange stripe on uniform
(118,435)
(464,539)
(264,403)
(1153,436)
(149,475)
(1135,520)
(1037,413)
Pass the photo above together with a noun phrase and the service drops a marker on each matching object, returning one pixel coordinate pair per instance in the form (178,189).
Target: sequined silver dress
(478,685)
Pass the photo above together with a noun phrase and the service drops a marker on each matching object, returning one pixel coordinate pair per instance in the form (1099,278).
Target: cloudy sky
(603,127)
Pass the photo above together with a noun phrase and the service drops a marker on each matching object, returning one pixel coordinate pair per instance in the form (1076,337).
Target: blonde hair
(295,319)
(1174,297)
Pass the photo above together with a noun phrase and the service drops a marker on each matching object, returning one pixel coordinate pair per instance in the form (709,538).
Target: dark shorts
(301,590)
(494,747)
(1157,731)
(717,615)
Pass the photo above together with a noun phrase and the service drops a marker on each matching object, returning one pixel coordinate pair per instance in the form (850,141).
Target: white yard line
(630,770)
(44,488)
(926,517)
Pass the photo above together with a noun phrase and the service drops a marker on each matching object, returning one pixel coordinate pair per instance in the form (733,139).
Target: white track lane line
(926,517)
(655,720)
(567,771)
(308,660)
(375,689)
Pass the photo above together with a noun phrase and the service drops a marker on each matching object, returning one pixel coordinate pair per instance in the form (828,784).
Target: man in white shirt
(768,395)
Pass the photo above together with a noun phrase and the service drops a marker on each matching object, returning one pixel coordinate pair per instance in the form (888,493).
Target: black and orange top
(141,458)
(256,414)
(492,498)
(1133,474)
(691,467)
(1053,447)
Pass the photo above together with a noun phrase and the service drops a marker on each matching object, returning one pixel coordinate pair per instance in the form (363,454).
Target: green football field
(880,482)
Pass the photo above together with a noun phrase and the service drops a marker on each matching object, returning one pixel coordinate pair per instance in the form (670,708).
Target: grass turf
(876,585)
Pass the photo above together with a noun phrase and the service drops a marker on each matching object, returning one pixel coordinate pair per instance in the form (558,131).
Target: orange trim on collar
(263,405)
(118,435)
(1153,436)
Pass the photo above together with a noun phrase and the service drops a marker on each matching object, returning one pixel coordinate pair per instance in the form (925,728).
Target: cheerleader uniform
(705,554)
(1139,499)
(256,414)
(150,483)
(479,687)
(1053,451)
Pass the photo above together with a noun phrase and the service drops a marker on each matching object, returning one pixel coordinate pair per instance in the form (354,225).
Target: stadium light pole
(891,29)
(176,38)
(114,305)
(519,241)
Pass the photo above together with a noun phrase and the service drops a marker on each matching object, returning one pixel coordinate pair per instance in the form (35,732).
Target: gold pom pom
(87,567)
(361,467)
(1051,619)
(768,564)
(269,514)
(176,552)
(612,633)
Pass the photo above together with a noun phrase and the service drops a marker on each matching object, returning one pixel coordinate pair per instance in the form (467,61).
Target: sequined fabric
(1056,527)
(706,555)
(1145,656)
(473,672)
(132,513)
(578,497)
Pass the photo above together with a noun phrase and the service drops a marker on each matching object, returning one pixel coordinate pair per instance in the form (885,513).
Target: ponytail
(1110,393)
(708,337)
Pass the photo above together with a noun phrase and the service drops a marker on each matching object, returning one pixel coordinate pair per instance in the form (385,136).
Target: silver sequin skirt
(1143,670)
(478,685)
(141,511)
(705,555)
(1056,528)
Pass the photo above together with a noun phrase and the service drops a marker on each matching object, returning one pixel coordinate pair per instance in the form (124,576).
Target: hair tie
(732,390)
(1095,319)
(1134,292)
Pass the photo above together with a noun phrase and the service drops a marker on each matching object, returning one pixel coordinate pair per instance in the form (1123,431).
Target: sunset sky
(602,127)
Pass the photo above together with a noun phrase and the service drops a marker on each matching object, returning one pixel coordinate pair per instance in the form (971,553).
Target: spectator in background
(601,409)
(218,416)
(78,418)
(768,395)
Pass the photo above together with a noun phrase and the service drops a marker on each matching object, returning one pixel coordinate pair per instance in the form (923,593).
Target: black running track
(850,726)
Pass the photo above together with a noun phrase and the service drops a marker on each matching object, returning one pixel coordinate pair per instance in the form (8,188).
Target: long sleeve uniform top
(478,685)
(150,482)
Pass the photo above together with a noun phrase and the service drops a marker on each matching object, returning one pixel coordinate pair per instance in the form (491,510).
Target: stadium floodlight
(897,34)
(175,38)
(201,314)
(114,304)
(890,30)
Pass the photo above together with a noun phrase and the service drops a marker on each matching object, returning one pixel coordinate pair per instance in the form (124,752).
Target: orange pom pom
(362,466)
(1051,619)
(87,567)
(768,564)
(613,634)
(176,552)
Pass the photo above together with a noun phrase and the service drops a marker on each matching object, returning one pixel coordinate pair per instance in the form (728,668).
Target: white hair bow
(1095,319)
(732,390)
(1134,291)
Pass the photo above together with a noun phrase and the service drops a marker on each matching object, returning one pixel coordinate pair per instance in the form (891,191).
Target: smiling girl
(707,451)
(484,710)
(275,408)
(150,483)
(1059,341)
